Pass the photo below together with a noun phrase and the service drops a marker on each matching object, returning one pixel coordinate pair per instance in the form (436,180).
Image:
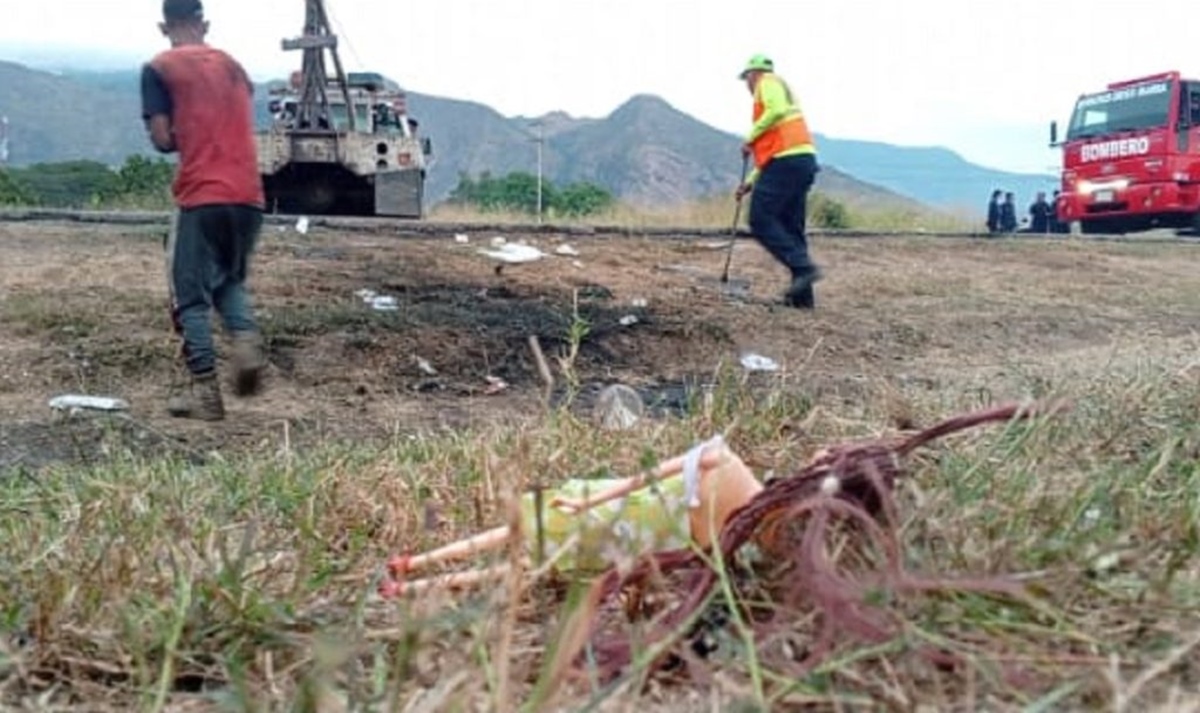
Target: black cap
(177,10)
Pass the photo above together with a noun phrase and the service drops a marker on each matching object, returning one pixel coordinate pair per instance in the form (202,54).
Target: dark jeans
(208,253)
(778,208)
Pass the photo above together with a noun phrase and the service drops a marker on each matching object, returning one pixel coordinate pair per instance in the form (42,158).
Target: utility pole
(541,139)
(3,140)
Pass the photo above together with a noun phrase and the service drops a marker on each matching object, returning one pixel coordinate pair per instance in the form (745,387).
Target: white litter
(378,302)
(384,303)
(514,254)
(639,302)
(628,320)
(302,226)
(424,365)
(566,250)
(498,240)
(618,407)
(495,385)
(462,238)
(71,402)
(576,263)
(758,362)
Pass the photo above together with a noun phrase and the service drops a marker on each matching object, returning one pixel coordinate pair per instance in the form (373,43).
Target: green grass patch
(245,583)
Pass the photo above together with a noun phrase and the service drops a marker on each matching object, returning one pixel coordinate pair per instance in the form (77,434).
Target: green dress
(650,519)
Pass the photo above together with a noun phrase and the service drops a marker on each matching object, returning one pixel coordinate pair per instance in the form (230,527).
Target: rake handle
(737,214)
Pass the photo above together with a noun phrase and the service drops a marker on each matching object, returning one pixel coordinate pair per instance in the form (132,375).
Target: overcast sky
(982,78)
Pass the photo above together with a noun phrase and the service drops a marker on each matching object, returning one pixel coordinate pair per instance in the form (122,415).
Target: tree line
(518,192)
(140,182)
(144,182)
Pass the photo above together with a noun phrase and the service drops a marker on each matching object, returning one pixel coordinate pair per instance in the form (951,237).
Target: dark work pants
(778,207)
(208,255)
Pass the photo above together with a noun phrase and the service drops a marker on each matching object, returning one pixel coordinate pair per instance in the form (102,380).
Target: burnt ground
(84,311)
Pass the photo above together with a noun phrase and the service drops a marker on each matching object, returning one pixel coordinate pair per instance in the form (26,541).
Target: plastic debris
(462,238)
(514,254)
(628,320)
(72,402)
(566,250)
(378,302)
(495,385)
(758,362)
(424,365)
(302,226)
(618,407)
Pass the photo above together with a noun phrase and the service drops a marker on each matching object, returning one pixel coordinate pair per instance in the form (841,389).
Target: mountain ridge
(645,150)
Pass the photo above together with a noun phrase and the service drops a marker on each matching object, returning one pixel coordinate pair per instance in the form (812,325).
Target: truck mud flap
(399,193)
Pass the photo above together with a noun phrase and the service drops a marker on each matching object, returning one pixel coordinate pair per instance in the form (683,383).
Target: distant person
(993,214)
(1057,225)
(197,101)
(1008,214)
(1041,214)
(785,168)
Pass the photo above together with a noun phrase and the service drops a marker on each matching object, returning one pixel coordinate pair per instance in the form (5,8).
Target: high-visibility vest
(790,132)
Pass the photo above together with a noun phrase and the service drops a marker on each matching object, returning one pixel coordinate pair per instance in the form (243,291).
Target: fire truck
(1131,157)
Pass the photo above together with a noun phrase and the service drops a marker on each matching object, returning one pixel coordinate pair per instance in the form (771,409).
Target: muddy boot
(200,399)
(800,292)
(804,299)
(249,361)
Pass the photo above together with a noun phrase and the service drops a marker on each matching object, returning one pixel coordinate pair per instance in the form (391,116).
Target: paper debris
(71,402)
(514,254)
(758,362)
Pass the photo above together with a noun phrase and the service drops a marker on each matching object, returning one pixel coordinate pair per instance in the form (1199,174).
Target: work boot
(804,299)
(249,361)
(800,292)
(200,400)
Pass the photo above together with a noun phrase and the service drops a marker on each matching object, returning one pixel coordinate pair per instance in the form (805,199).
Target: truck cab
(1131,157)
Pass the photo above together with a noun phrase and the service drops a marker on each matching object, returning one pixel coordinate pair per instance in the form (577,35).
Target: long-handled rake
(737,214)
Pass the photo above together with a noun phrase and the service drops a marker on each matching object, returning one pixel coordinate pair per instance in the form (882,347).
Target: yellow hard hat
(759,62)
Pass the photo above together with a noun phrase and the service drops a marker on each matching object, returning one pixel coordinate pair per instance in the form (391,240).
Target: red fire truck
(1131,157)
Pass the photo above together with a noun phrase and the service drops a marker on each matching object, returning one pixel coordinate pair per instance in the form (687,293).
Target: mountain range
(645,151)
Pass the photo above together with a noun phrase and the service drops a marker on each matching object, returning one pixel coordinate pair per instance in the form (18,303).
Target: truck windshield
(1142,106)
(341,121)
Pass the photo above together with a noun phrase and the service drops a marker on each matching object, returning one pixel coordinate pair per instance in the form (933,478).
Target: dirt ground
(85,312)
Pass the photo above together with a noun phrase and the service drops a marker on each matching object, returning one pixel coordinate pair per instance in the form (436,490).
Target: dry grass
(244,580)
(718,212)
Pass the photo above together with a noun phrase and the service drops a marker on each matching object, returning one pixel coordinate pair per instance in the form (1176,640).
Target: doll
(588,523)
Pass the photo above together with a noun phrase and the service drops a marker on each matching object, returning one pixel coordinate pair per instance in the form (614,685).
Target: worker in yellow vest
(785,167)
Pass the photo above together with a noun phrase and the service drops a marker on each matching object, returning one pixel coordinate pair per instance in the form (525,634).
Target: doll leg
(455,580)
(466,547)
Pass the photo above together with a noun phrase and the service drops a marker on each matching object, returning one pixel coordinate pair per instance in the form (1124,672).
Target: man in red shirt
(197,101)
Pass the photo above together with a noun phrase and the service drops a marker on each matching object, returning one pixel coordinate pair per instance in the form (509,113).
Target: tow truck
(1131,157)
(340,143)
